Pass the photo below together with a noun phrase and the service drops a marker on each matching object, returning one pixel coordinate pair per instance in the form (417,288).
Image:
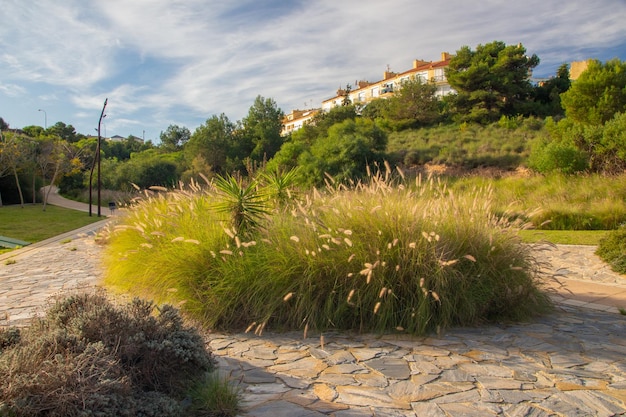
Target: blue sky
(162,62)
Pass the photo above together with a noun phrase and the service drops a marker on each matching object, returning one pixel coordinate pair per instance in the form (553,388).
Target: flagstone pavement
(571,362)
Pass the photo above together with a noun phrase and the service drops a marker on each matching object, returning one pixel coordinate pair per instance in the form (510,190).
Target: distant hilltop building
(365,91)
(118,138)
(576,68)
(296,119)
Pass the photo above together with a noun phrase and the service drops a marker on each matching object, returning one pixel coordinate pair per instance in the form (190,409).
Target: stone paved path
(570,363)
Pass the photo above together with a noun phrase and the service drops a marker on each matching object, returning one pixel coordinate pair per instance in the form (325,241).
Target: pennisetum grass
(386,255)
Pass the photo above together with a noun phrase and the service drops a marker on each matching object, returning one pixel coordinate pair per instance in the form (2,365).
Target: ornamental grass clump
(381,256)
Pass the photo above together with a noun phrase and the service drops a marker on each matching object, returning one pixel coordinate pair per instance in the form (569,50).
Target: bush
(612,249)
(90,358)
(557,157)
(375,257)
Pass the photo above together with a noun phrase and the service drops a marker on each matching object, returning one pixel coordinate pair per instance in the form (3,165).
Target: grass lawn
(565,237)
(32,224)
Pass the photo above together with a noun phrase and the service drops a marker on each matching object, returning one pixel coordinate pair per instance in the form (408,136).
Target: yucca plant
(245,203)
(279,185)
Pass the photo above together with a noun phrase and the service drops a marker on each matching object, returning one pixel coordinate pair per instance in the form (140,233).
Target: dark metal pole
(102,115)
(93,164)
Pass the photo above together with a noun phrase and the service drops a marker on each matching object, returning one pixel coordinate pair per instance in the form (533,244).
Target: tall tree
(213,142)
(174,138)
(414,105)
(14,157)
(65,132)
(33,131)
(598,94)
(54,159)
(548,94)
(345,153)
(492,81)
(261,129)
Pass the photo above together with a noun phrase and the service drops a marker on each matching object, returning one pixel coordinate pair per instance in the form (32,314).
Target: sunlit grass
(582,202)
(376,257)
(564,237)
(32,224)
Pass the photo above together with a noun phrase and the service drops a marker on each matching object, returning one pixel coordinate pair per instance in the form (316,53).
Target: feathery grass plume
(413,240)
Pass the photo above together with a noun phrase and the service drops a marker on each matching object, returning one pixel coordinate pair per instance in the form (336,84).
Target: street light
(97,160)
(45,118)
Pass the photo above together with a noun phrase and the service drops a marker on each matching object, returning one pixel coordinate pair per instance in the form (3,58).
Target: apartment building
(576,68)
(364,91)
(296,119)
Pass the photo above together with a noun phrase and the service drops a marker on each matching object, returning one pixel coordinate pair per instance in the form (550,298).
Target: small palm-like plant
(280,185)
(246,204)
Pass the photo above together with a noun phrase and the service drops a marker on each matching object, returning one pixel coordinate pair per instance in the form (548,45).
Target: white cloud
(164,60)
(12,90)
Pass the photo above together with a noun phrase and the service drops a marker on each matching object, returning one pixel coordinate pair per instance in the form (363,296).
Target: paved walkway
(569,363)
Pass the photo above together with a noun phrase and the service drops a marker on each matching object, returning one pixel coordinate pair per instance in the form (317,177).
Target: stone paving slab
(464,372)
(570,363)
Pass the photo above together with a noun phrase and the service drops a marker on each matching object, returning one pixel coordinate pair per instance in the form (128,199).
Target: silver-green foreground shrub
(87,357)
(373,257)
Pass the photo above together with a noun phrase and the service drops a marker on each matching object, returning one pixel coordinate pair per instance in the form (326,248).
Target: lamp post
(45,118)
(97,158)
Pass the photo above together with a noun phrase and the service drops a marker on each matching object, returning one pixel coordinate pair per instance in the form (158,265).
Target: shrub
(612,249)
(9,337)
(89,358)
(375,257)
(556,156)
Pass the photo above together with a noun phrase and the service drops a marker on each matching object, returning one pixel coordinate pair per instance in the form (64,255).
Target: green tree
(174,138)
(213,141)
(414,105)
(375,109)
(261,129)
(346,95)
(15,156)
(345,154)
(54,158)
(491,81)
(547,96)
(33,131)
(146,169)
(323,121)
(609,153)
(65,132)
(296,149)
(598,94)
(114,149)
(3,125)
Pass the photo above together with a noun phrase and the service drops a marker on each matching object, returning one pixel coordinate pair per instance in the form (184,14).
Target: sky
(164,62)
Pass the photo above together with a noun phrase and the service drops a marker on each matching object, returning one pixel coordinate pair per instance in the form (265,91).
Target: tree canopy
(174,138)
(414,105)
(598,94)
(211,145)
(491,81)
(262,128)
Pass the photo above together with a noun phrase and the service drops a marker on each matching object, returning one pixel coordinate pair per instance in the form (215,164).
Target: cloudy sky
(162,62)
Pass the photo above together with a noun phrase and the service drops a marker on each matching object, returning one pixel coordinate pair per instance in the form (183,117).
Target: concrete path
(55,199)
(569,363)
